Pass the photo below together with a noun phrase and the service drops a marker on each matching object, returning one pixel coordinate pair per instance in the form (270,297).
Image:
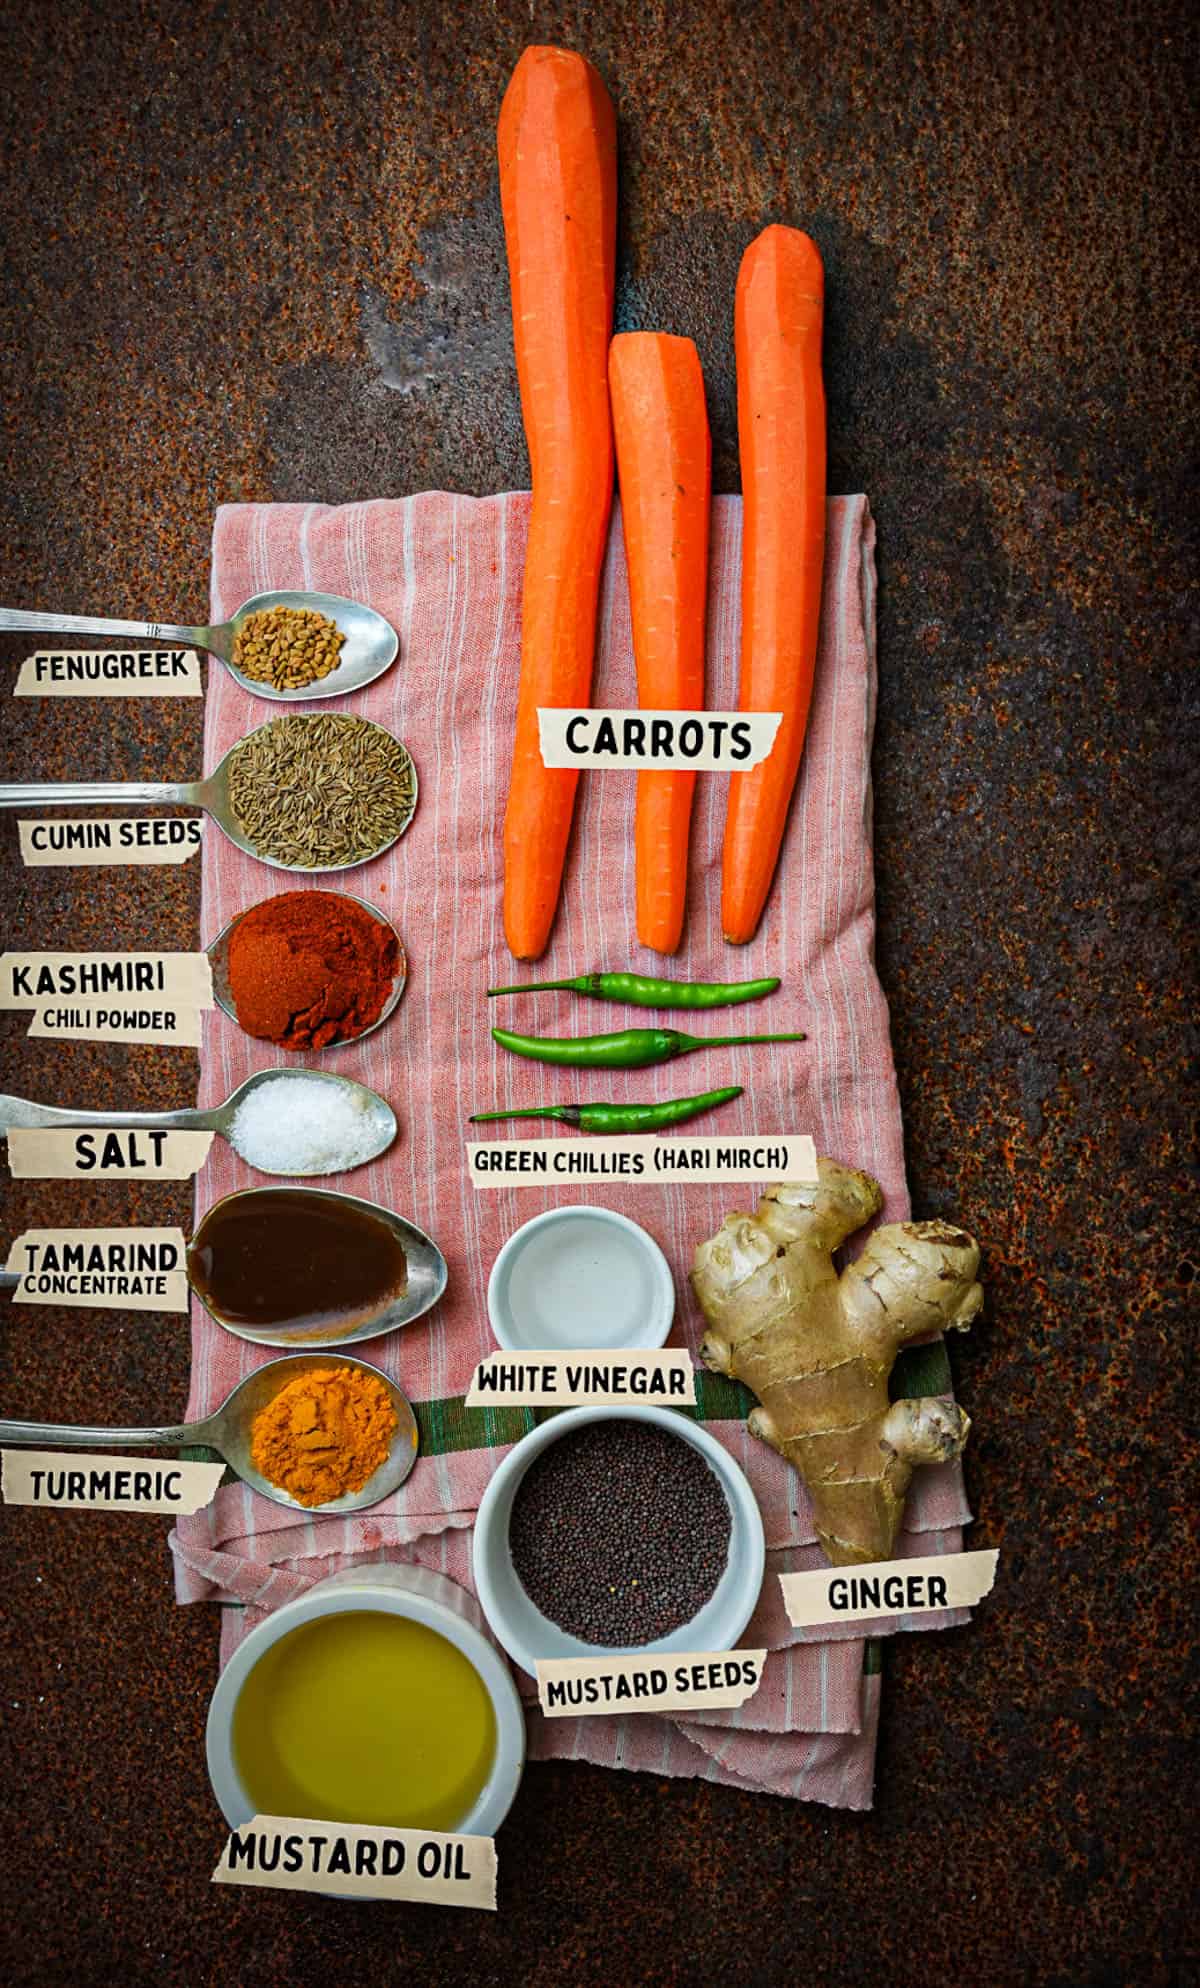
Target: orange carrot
(664,468)
(558,189)
(781,437)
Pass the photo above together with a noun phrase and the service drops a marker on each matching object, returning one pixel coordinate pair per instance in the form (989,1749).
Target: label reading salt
(139,1269)
(38,1154)
(888,1587)
(607,1377)
(83,842)
(659,741)
(75,1480)
(644,1156)
(125,672)
(361,1860)
(683,1681)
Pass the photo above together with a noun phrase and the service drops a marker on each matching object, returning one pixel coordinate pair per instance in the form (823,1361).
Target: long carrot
(558,189)
(664,469)
(781,438)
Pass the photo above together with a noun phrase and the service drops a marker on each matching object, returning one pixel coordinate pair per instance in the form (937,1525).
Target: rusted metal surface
(257,254)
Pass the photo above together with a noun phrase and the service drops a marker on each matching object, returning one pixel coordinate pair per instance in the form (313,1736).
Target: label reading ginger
(125,672)
(888,1587)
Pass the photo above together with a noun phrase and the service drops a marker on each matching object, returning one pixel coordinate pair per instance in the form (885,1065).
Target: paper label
(145,980)
(79,841)
(139,1269)
(888,1587)
(657,741)
(128,672)
(76,1480)
(38,1154)
(750,1156)
(361,1860)
(124,1023)
(609,1377)
(678,1681)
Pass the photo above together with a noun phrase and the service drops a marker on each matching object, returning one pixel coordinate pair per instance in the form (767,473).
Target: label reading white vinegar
(139,1269)
(361,1860)
(77,1480)
(645,1156)
(608,1377)
(85,842)
(126,672)
(657,741)
(675,1681)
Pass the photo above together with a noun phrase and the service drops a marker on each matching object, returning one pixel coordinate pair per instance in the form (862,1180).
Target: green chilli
(641,991)
(628,1049)
(619,1117)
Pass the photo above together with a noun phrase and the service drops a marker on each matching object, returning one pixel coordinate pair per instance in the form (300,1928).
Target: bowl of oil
(374,1698)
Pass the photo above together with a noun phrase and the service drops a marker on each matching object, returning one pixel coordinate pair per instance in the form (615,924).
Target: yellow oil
(365,1717)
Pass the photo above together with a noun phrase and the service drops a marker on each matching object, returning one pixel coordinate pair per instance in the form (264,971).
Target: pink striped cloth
(446,571)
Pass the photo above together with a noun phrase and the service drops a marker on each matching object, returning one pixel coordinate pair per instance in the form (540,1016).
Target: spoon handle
(71,1436)
(40,1117)
(16,620)
(26,793)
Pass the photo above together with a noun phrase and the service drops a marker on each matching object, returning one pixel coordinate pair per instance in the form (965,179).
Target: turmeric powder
(324,1434)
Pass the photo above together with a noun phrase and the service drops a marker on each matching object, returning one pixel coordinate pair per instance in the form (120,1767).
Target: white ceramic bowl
(580,1278)
(527,1634)
(398,1589)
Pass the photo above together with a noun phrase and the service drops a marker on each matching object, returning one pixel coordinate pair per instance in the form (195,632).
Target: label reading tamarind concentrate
(138,1269)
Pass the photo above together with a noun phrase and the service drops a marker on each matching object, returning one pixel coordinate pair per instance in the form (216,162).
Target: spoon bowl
(218,956)
(228,1431)
(424,1284)
(211,794)
(23,1113)
(370,647)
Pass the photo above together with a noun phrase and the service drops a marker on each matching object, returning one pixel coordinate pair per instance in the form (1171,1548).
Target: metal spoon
(20,1112)
(424,1283)
(228,1432)
(218,954)
(369,649)
(211,794)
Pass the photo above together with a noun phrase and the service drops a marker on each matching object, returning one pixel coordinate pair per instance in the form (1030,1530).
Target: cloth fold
(446,571)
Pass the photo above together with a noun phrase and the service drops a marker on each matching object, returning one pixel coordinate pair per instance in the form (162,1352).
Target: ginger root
(817,1348)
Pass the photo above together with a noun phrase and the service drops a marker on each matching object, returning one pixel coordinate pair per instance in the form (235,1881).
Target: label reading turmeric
(79,1480)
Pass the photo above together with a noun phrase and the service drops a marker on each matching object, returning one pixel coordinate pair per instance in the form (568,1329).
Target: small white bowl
(527,1634)
(397,1589)
(580,1278)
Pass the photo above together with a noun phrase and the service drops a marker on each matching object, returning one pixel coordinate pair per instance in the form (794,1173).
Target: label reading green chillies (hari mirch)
(741,1156)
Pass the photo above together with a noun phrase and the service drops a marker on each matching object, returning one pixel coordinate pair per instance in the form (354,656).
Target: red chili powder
(310,967)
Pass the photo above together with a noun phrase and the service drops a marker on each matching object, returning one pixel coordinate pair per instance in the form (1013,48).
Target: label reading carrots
(687,741)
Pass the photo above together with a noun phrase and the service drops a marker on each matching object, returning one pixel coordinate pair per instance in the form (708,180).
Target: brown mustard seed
(287,647)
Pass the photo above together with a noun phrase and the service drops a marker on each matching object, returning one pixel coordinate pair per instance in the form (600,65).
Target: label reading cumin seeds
(83,842)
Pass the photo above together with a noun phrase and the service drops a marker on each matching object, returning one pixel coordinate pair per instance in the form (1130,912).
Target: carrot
(664,469)
(558,189)
(781,437)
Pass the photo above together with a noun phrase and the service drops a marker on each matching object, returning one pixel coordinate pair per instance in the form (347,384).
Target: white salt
(304,1125)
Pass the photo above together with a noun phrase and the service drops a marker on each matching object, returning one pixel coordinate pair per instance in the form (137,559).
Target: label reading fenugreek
(79,842)
(110,673)
(79,1480)
(677,1681)
(361,1860)
(37,1154)
(888,1587)
(644,1156)
(139,1269)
